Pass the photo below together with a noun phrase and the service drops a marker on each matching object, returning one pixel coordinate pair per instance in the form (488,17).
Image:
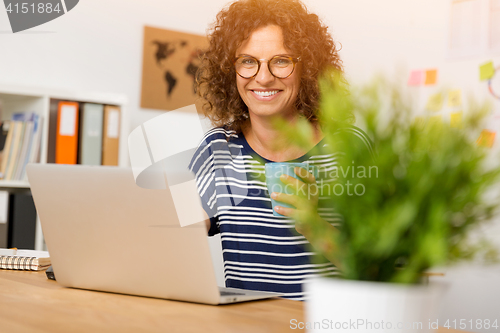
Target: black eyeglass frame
(294,60)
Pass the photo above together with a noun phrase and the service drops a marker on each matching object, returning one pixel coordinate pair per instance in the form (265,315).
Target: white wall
(98,47)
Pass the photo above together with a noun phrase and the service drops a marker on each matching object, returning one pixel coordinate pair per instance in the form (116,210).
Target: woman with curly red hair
(262,64)
(302,34)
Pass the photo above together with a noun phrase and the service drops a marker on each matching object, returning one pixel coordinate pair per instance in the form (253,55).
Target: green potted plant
(428,188)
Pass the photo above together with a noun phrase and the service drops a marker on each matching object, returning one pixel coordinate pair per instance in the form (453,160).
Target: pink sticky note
(416,78)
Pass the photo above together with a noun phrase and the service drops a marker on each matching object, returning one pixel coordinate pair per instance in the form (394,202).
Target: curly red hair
(304,34)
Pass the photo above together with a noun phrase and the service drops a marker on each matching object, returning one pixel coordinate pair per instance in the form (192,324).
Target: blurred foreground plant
(427,189)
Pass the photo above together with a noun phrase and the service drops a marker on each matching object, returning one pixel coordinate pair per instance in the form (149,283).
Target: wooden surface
(29,302)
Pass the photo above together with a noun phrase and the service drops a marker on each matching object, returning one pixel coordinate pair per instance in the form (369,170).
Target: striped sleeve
(203,165)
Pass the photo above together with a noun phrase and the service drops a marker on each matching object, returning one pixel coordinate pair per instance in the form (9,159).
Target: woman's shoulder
(354,132)
(217,134)
(215,145)
(217,139)
(354,136)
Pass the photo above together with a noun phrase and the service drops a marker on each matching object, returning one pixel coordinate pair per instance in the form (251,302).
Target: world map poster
(170,61)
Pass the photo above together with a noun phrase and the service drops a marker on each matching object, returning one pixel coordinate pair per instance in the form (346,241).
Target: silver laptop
(105,233)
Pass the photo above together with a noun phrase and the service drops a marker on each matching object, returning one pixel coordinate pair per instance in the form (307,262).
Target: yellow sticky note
(456,119)
(486,139)
(486,71)
(430,76)
(435,102)
(435,121)
(455,97)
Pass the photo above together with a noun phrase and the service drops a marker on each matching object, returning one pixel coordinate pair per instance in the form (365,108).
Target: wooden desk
(29,302)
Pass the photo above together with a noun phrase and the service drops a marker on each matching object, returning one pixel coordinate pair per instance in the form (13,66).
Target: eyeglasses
(280,67)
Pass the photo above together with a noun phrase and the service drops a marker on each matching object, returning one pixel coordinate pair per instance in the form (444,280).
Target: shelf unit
(14,99)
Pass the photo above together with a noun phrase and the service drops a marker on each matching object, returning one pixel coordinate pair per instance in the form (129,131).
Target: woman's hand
(303,195)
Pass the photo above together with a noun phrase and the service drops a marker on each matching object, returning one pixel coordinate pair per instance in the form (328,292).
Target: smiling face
(264,94)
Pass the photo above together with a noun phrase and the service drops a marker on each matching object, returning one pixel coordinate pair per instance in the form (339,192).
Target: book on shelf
(20,139)
(33,151)
(91,134)
(111,135)
(67,133)
(6,151)
(16,148)
(24,259)
(26,142)
(12,137)
(4,131)
(22,145)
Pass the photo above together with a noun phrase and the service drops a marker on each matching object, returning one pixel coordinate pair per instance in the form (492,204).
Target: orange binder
(111,137)
(67,133)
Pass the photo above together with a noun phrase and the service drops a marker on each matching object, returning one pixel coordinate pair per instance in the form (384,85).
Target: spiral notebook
(27,260)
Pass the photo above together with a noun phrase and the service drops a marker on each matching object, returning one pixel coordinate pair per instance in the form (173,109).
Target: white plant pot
(336,305)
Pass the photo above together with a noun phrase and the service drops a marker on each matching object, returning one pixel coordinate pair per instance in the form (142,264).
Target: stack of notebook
(24,259)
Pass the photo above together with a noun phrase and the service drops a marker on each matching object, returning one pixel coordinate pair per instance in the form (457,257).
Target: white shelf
(96,97)
(17,99)
(14,184)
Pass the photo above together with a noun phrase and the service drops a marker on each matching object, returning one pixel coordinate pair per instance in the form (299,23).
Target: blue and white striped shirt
(261,251)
